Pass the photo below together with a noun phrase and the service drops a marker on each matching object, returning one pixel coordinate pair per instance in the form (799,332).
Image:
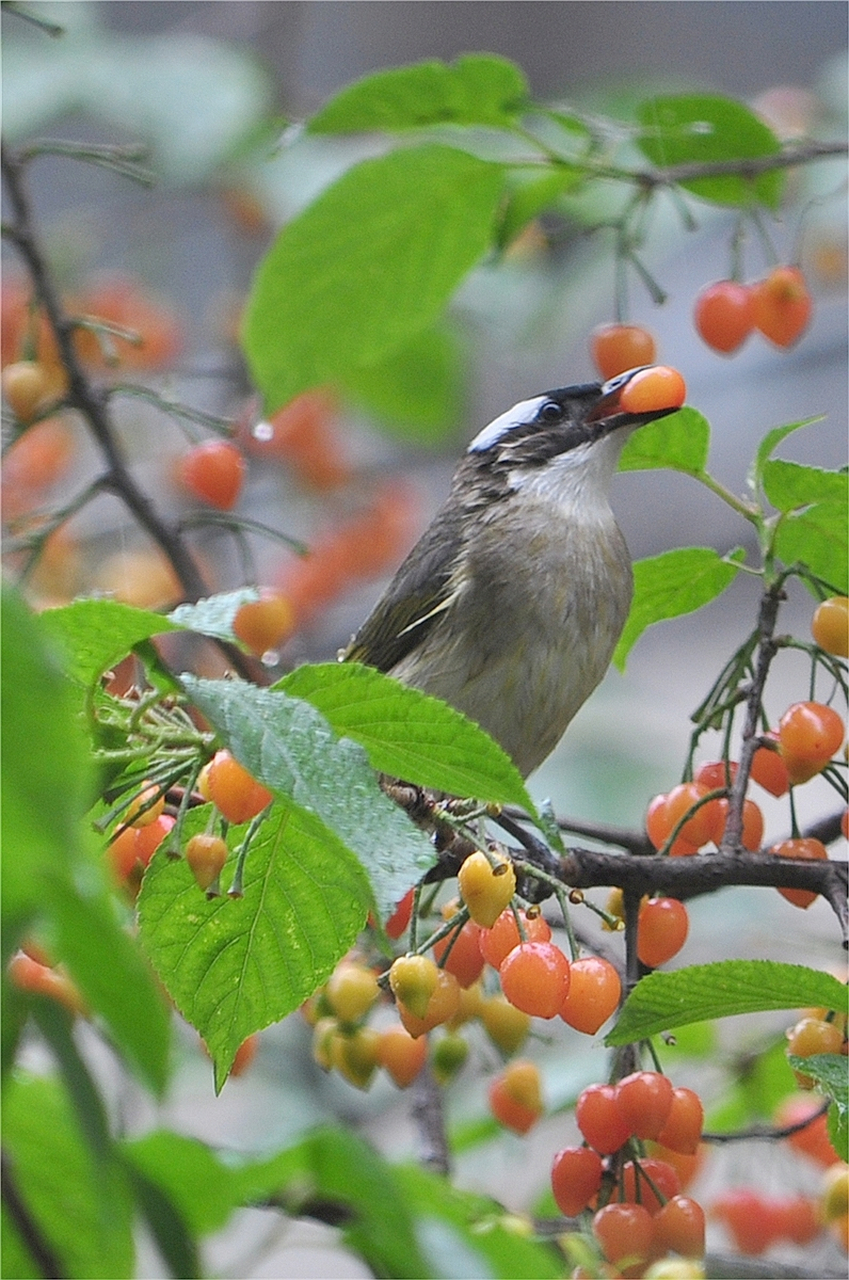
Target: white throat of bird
(577,481)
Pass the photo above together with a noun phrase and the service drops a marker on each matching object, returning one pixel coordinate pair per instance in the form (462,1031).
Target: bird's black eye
(551,411)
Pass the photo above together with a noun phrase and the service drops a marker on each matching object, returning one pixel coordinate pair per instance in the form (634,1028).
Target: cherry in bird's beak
(641,394)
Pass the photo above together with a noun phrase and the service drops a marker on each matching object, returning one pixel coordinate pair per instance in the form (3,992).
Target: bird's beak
(608,408)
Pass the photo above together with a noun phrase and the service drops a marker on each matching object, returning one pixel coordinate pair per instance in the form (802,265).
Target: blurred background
(214,90)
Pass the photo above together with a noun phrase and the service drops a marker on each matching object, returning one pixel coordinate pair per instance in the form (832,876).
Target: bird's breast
(539,598)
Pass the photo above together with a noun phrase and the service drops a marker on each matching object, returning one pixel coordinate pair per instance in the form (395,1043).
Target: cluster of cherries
(639,1213)
(444,990)
(725,314)
(681,821)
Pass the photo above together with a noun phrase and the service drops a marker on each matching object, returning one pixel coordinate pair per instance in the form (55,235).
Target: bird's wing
(415,599)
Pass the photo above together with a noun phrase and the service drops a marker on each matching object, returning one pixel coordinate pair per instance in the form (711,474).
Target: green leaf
(771,441)
(788,485)
(56,1027)
(181,1167)
(817,538)
(193,99)
(15,1258)
(408,734)
(463,1233)
(175,1244)
(64,1188)
(661,1001)
(680,442)
(95,634)
(417,391)
(290,747)
(113,977)
(213,616)
(367,266)
(335,1169)
(49,870)
(530,194)
(701,128)
(478,88)
(829,1072)
(235,965)
(46,766)
(673,583)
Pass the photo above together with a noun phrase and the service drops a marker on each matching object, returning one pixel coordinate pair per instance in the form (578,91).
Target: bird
(510,605)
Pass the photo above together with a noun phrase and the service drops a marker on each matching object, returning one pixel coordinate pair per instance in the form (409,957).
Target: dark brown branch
(685,878)
(93,405)
(636,842)
(767,616)
(766,1133)
(721,1266)
(428,1115)
(83,396)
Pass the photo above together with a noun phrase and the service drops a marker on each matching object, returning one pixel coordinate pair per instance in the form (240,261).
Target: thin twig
(122,160)
(764,1132)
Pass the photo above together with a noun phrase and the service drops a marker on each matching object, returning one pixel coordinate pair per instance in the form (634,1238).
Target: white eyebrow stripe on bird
(522,413)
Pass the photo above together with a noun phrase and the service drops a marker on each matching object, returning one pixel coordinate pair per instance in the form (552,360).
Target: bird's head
(578,428)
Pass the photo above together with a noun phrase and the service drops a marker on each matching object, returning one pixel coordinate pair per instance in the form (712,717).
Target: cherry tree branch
(805,153)
(766,1133)
(82,395)
(766,651)
(745,167)
(685,878)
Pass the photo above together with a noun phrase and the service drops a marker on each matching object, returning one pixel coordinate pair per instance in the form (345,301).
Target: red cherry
(624,1231)
(650,390)
(662,930)
(515,1097)
(748,1218)
(809,733)
(715,774)
(236,793)
(724,315)
(575,1178)
(753,823)
(535,978)
(594,991)
(679,1227)
(464,959)
(618,347)
(808,849)
(637,1188)
(769,770)
(645,1100)
(400,918)
(782,306)
(600,1119)
(683,1128)
(213,472)
(497,943)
